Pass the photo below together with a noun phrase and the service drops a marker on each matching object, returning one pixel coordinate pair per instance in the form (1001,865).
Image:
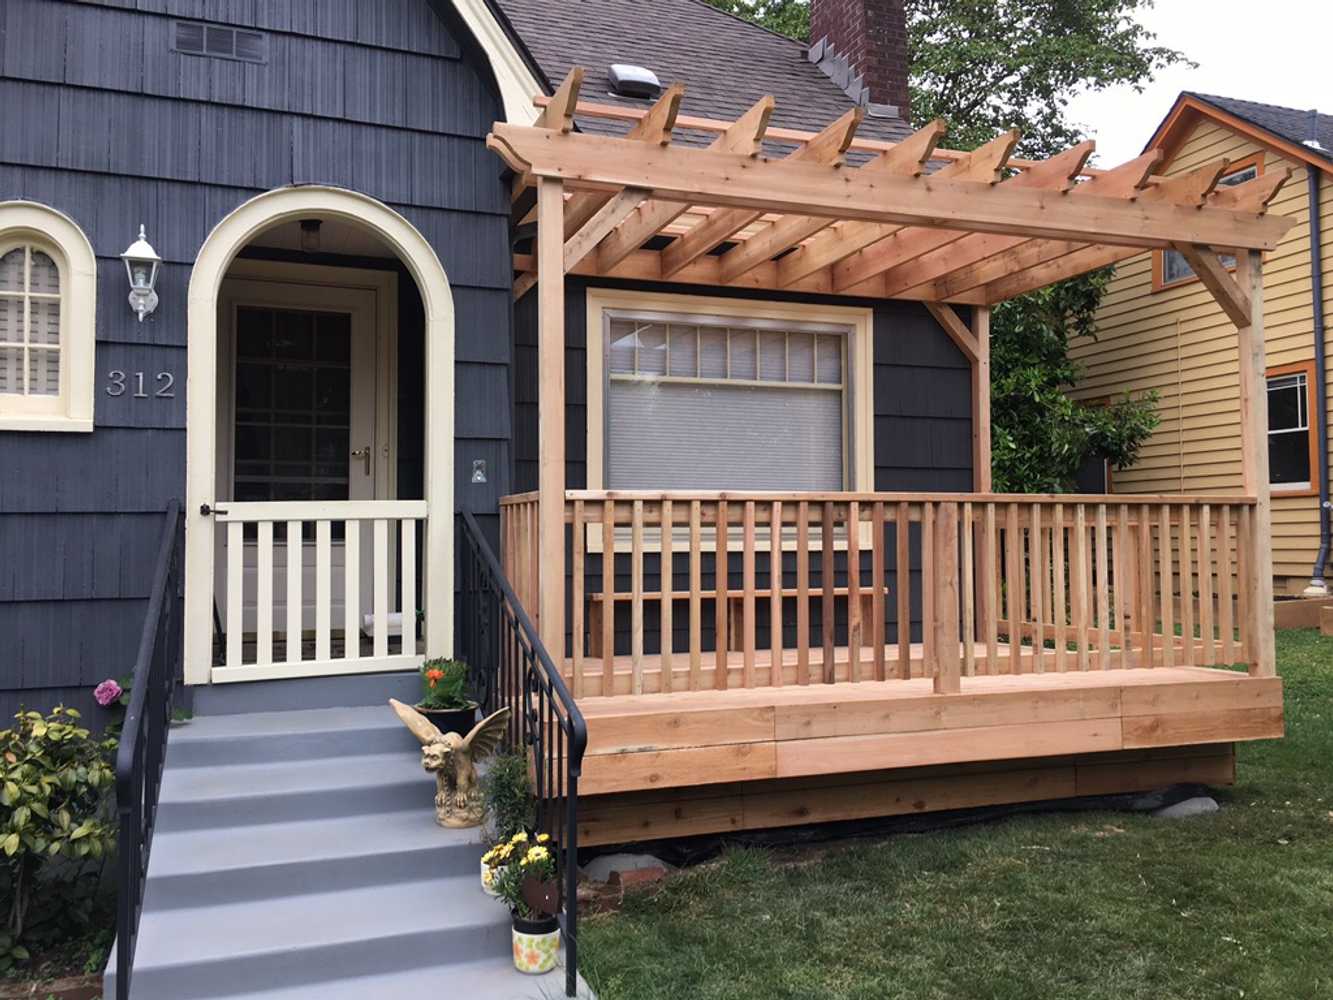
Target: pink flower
(107,692)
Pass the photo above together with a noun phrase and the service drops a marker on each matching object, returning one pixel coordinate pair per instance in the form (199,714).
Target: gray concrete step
(234,795)
(196,867)
(269,737)
(233,949)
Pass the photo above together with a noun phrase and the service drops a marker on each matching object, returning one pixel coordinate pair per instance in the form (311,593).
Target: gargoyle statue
(452,759)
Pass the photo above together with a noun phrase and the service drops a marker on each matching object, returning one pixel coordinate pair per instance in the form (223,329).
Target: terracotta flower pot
(536,944)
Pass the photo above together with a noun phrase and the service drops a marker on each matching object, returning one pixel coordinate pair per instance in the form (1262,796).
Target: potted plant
(445,699)
(509,809)
(530,887)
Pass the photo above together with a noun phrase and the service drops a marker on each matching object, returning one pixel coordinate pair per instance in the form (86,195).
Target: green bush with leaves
(510,806)
(56,780)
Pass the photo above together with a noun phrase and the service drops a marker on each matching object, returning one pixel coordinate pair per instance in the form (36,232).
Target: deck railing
(994,584)
(511,668)
(143,739)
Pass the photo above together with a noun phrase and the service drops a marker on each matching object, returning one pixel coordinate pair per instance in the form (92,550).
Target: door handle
(364,455)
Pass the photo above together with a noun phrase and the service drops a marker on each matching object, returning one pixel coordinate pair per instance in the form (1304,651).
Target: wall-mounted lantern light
(141,264)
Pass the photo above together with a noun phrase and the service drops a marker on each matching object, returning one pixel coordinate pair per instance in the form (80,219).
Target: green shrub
(56,781)
(444,685)
(510,807)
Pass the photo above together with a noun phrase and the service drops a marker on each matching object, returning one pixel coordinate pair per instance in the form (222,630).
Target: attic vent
(633,81)
(195,39)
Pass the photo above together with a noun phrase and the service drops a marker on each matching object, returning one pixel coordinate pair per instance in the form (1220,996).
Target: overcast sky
(1274,51)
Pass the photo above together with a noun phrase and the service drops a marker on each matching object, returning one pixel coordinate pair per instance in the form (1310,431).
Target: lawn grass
(1082,905)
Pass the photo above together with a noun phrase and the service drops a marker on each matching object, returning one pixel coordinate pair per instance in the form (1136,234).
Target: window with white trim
(47,303)
(1289,435)
(724,402)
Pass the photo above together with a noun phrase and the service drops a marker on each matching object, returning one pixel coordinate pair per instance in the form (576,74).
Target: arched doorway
(306,562)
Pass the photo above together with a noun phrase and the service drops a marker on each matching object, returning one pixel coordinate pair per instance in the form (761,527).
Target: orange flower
(434,675)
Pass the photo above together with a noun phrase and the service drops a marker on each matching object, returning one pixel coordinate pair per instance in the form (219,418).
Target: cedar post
(982,481)
(1254,465)
(551,415)
(948,648)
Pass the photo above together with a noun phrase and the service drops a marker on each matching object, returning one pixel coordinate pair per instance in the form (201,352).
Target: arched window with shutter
(48,281)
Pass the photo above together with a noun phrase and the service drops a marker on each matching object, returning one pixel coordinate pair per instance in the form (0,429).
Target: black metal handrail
(511,667)
(143,739)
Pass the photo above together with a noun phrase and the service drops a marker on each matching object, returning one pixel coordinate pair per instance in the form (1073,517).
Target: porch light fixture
(142,264)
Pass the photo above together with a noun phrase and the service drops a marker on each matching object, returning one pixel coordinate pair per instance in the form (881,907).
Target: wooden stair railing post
(550,604)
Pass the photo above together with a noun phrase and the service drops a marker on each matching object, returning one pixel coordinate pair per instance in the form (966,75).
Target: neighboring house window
(1291,444)
(1170,266)
(47,312)
(757,397)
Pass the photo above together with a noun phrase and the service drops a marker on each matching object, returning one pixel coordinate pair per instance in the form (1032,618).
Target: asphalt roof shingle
(1291,124)
(725,63)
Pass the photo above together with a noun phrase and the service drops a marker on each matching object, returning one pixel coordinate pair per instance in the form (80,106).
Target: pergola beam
(790,186)
(608,217)
(1234,300)
(957,330)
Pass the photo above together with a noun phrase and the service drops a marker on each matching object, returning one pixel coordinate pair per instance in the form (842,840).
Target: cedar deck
(697,762)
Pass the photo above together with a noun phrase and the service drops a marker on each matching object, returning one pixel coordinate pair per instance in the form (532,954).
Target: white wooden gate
(373,532)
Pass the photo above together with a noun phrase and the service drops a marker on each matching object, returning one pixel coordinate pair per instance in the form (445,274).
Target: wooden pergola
(911,221)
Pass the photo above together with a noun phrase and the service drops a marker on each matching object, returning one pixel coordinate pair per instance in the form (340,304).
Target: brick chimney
(869,39)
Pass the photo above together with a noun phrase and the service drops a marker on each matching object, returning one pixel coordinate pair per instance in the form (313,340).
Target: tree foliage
(1040,436)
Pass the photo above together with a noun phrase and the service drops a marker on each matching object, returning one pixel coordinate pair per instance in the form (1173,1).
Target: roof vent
(633,81)
(1313,141)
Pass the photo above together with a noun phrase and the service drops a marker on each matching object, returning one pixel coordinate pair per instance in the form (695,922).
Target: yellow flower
(543,838)
(488,857)
(519,838)
(504,850)
(537,854)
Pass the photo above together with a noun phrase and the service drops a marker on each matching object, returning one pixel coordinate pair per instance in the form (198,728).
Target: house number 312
(119,382)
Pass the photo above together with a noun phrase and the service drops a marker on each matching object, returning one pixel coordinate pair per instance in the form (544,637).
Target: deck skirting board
(755,805)
(701,738)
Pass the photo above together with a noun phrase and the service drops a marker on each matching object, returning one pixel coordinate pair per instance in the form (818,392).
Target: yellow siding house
(1159,328)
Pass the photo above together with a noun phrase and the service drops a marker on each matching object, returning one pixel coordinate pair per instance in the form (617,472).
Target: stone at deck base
(1198,806)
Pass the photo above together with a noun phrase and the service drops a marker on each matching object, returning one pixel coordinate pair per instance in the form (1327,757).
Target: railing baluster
(827,584)
(1120,579)
(295,607)
(1037,587)
(1059,598)
(967,537)
(1166,586)
(323,580)
(1103,592)
(721,602)
(803,592)
(992,584)
(352,591)
(877,637)
(609,597)
(1014,590)
(1225,621)
(1244,557)
(747,594)
(902,543)
(696,595)
(667,587)
(855,635)
(264,593)
(1206,635)
(235,592)
(578,594)
(1079,597)
(407,569)
(381,564)
(1187,655)
(1147,612)
(636,598)
(945,557)
(777,667)
(930,651)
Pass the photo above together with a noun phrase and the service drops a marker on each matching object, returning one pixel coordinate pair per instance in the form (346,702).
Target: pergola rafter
(810,221)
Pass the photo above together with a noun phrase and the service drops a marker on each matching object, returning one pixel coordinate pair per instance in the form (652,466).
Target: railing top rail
(578,727)
(320,510)
(921,497)
(143,659)
(517,498)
